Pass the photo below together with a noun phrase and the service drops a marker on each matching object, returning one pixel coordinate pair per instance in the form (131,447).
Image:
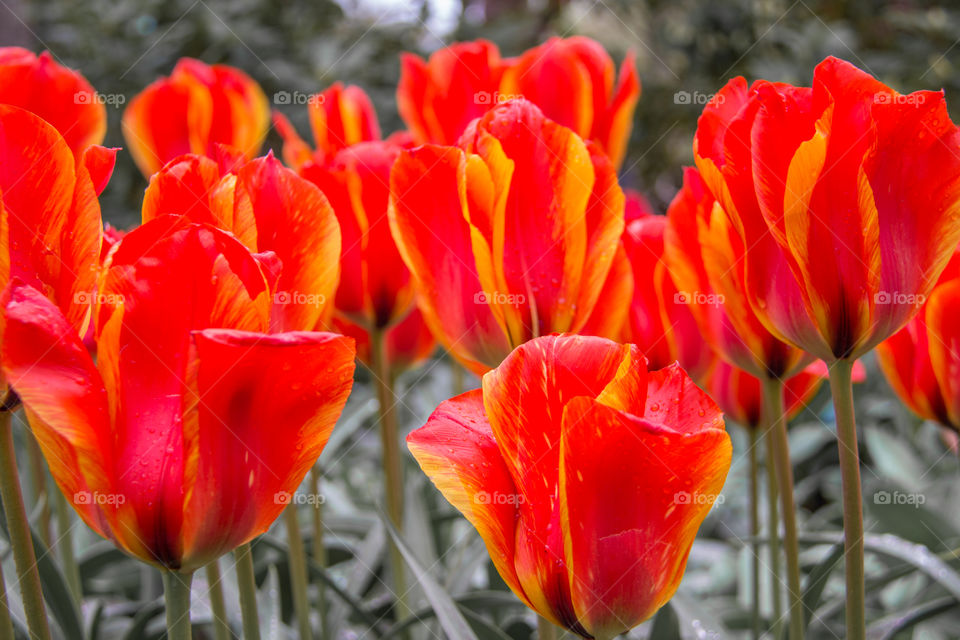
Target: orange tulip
(197,108)
(921,361)
(408,343)
(509,236)
(340,117)
(182,440)
(586,475)
(59,95)
(660,320)
(268,208)
(705,256)
(49,213)
(438,98)
(847,196)
(375,289)
(573,81)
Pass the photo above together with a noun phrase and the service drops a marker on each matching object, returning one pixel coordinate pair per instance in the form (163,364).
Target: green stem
(392,469)
(20,540)
(247,584)
(298,572)
(755,532)
(218,607)
(546,630)
(65,546)
(841,388)
(457,381)
(38,478)
(176,591)
(773,526)
(318,550)
(6,623)
(777,421)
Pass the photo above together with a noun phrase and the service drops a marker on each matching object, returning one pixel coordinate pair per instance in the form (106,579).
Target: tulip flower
(705,255)
(438,98)
(268,208)
(586,475)
(50,239)
(196,109)
(574,82)
(636,205)
(340,116)
(921,360)
(510,235)
(660,320)
(847,196)
(408,343)
(59,95)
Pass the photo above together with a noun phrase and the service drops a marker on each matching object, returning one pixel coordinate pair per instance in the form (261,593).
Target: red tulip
(49,213)
(574,82)
(340,117)
(586,476)
(846,196)
(408,343)
(921,361)
(706,258)
(178,441)
(268,208)
(59,95)
(509,236)
(197,108)
(438,98)
(636,206)
(375,289)
(660,320)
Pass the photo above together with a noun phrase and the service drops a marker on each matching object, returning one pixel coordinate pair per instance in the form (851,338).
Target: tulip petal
(428,201)
(628,528)
(264,408)
(457,451)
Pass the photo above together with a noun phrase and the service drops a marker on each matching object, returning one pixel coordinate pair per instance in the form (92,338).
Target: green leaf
(56,593)
(450,618)
(468,603)
(889,627)
(147,612)
(666,624)
(817,581)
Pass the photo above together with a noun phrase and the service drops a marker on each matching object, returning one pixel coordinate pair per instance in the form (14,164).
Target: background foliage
(683,47)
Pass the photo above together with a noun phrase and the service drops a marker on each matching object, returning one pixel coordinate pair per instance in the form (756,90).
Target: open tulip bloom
(176,442)
(586,475)
(846,196)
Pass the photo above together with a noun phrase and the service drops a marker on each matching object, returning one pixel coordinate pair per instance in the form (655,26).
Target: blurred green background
(687,46)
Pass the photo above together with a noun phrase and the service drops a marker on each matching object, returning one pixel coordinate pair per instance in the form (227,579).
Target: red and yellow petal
(262,411)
